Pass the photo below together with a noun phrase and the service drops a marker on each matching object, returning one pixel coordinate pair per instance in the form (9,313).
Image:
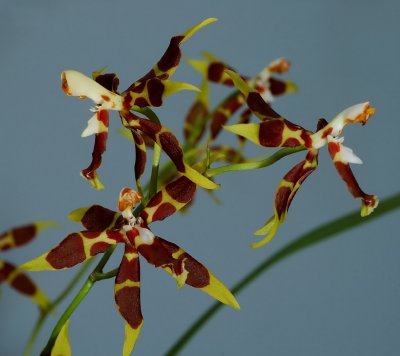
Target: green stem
(106,275)
(255,164)
(44,314)
(154,171)
(319,234)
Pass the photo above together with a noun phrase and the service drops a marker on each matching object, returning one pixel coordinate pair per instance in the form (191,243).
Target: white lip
(75,83)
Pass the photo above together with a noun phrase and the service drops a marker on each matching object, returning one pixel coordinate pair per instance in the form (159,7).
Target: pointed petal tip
(94,181)
(367,207)
(131,336)
(44,224)
(219,291)
(199,179)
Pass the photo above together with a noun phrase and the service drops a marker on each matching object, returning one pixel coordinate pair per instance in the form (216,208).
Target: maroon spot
(291,126)
(109,81)
(24,284)
(6,247)
(270,134)
(181,190)
(195,122)
(115,235)
(321,124)
(219,119)
(24,234)
(228,82)
(6,270)
(98,218)
(128,270)
(139,88)
(126,100)
(215,71)
(170,145)
(198,276)
(155,200)
(149,127)
(281,200)
(105,97)
(144,215)
(295,173)
(155,89)
(131,234)
(128,301)
(68,253)
(159,253)
(99,148)
(347,175)
(150,74)
(99,247)
(172,55)
(333,149)
(141,157)
(91,234)
(257,104)
(141,102)
(102,116)
(306,137)
(291,142)
(163,211)
(327,132)
(277,87)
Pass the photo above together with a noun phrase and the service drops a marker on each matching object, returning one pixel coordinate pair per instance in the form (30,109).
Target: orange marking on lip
(128,198)
(282,66)
(64,84)
(363,117)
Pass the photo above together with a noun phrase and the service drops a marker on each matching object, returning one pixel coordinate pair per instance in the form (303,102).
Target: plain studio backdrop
(340,297)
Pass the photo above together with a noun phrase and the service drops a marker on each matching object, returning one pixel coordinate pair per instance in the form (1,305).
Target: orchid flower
(148,91)
(104,227)
(10,274)
(214,70)
(275,131)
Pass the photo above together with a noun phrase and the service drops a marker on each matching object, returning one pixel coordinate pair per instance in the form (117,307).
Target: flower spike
(276,131)
(105,227)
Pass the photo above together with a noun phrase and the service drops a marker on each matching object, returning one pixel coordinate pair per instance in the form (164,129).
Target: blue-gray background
(338,298)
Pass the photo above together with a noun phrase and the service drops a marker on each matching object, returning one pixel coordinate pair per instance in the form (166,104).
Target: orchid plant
(172,187)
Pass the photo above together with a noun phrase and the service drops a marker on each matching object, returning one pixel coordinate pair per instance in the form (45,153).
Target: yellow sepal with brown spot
(62,346)
(75,248)
(22,235)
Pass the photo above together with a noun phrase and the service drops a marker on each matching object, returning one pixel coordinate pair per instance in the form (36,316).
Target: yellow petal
(189,33)
(38,264)
(199,179)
